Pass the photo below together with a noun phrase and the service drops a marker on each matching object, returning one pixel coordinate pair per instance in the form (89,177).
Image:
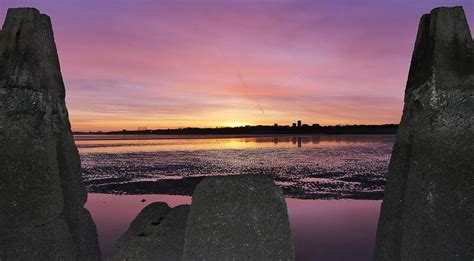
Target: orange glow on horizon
(118,125)
(173,64)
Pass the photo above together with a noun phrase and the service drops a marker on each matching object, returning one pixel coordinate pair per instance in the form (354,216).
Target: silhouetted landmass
(262,129)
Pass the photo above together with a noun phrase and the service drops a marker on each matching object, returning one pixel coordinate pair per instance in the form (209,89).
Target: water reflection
(113,214)
(321,229)
(333,229)
(144,143)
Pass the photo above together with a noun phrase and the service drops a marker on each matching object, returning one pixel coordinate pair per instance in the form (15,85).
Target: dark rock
(145,221)
(238,217)
(40,177)
(157,233)
(428,209)
(39,242)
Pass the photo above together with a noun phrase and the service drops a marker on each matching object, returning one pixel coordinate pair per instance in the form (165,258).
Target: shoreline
(258,130)
(138,136)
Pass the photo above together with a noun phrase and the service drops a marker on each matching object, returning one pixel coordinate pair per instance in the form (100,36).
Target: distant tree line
(263,129)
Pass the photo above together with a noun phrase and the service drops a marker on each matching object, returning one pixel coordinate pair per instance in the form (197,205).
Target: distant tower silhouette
(299,124)
(294,125)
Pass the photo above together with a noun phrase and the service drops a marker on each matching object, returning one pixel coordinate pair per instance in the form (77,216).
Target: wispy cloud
(205,63)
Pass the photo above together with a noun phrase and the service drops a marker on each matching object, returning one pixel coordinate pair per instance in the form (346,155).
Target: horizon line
(303,125)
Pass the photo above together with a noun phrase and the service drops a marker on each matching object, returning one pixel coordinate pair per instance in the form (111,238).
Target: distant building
(294,125)
(275,125)
(315,125)
(305,125)
(142,128)
(299,124)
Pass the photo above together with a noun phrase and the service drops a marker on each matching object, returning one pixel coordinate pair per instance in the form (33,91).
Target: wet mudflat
(306,167)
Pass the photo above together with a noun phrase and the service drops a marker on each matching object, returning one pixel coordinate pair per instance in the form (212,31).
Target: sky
(170,64)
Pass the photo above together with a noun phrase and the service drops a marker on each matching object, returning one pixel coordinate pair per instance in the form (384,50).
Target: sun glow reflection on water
(147,143)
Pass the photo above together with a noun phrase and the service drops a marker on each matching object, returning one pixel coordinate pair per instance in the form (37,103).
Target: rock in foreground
(428,209)
(238,217)
(157,233)
(41,191)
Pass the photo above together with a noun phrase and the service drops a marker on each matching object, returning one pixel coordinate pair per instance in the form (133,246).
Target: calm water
(323,177)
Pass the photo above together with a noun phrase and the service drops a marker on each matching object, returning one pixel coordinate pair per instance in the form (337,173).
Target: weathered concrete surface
(428,209)
(41,242)
(157,233)
(40,177)
(236,218)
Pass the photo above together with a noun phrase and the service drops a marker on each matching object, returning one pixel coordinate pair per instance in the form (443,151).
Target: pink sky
(166,64)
